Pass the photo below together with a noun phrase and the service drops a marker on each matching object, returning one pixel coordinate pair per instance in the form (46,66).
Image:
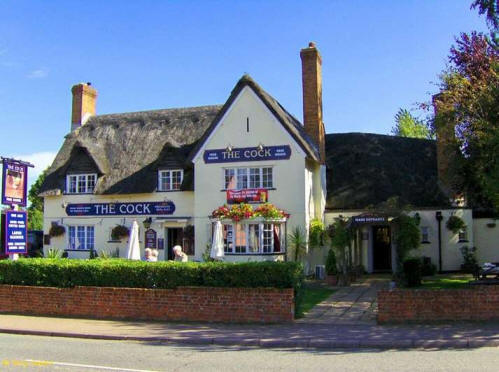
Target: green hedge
(137,274)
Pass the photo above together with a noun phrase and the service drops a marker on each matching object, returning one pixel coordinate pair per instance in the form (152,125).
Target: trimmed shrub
(115,272)
(412,272)
(331,266)
(427,268)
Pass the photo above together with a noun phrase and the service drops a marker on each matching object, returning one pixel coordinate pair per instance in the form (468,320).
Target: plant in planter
(470,263)
(57,230)
(331,268)
(341,238)
(119,232)
(412,272)
(455,224)
(317,233)
(297,243)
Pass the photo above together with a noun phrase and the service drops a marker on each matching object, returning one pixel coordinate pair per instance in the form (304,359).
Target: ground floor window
(81,237)
(254,238)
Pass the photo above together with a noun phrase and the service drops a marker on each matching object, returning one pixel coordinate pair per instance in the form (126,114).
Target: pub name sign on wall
(240,154)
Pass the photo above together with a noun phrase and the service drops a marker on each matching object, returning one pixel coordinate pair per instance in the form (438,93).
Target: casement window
(254,238)
(81,183)
(248,178)
(425,234)
(170,180)
(81,237)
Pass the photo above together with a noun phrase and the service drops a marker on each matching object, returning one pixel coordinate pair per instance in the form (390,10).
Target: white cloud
(38,74)
(41,160)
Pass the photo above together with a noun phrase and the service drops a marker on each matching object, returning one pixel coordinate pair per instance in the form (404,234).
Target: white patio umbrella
(133,242)
(217,243)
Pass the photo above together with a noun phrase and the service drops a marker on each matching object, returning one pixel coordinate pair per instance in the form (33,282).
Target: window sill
(251,188)
(79,250)
(169,190)
(256,254)
(78,193)
(114,241)
(426,242)
(463,241)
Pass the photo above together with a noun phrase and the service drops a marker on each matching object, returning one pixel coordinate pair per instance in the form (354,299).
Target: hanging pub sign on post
(15,182)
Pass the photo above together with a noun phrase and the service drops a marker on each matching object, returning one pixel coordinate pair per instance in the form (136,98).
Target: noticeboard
(16,233)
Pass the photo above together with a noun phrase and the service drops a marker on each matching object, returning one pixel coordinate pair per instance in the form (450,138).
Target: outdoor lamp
(260,147)
(229,148)
(147,222)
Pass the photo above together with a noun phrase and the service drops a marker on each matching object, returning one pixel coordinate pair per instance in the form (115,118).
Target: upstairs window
(81,183)
(254,238)
(248,178)
(463,235)
(170,180)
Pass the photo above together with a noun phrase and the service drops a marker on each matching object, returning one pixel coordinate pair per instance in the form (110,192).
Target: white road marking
(90,366)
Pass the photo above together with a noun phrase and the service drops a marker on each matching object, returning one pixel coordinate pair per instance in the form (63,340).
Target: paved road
(35,353)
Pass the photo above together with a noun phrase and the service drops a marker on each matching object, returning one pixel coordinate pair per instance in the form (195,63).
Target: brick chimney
(445,137)
(84,99)
(311,62)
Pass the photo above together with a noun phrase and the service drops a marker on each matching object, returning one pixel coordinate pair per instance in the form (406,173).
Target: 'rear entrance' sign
(121,209)
(282,152)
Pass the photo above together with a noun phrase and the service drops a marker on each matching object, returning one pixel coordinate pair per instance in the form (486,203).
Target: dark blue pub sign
(121,209)
(282,152)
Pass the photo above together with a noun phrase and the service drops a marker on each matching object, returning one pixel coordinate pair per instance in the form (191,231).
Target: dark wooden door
(382,248)
(175,237)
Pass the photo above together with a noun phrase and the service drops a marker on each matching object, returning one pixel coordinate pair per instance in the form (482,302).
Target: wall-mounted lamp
(260,147)
(147,222)
(229,148)
(417,217)
(64,205)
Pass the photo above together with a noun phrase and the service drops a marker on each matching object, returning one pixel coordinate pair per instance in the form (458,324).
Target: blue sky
(377,56)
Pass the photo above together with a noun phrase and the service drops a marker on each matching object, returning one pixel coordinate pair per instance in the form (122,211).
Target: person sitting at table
(179,255)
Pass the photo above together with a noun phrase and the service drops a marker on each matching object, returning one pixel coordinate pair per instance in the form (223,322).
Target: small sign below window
(247,196)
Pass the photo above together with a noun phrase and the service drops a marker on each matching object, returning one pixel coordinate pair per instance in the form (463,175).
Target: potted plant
(119,232)
(331,268)
(455,224)
(56,230)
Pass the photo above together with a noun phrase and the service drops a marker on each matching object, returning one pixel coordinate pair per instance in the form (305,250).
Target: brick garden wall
(241,305)
(425,305)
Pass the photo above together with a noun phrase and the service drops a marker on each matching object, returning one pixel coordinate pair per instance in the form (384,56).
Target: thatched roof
(128,149)
(366,169)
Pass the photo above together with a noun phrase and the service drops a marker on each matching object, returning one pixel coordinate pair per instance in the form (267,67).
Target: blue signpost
(16,233)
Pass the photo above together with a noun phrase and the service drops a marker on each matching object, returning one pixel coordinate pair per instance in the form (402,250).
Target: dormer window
(81,183)
(170,180)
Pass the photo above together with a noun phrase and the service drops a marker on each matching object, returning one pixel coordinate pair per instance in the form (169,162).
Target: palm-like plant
(297,242)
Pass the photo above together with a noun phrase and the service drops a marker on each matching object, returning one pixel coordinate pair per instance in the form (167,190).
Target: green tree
(406,125)
(35,209)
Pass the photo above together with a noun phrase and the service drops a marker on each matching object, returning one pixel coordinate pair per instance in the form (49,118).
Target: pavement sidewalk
(289,335)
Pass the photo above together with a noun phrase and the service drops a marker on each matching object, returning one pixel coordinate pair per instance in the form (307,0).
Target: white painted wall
(451,247)
(55,212)
(486,239)
(290,176)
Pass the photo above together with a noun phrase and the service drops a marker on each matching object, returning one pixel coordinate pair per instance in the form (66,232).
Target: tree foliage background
(467,113)
(407,125)
(35,210)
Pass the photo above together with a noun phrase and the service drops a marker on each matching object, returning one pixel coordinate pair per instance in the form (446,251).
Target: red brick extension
(424,305)
(237,305)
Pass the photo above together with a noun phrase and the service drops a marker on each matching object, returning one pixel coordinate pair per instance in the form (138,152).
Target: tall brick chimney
(445,136)
(84,100)
(311,63)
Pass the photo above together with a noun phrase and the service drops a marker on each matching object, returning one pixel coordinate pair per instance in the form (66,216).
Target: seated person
(179,255)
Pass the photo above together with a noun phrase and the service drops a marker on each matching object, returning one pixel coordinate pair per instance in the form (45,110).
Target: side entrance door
(382,248)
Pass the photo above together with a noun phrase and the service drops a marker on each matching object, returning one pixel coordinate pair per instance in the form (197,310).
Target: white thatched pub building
(170,169)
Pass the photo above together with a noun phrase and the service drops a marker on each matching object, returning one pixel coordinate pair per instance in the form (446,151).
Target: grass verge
(311,296)
(446,281)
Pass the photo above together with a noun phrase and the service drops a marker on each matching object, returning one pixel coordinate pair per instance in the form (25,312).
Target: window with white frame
(81,237)
(81,183)
(425,234)
(254,238)
(463,235)
(170,180)
(248,178)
